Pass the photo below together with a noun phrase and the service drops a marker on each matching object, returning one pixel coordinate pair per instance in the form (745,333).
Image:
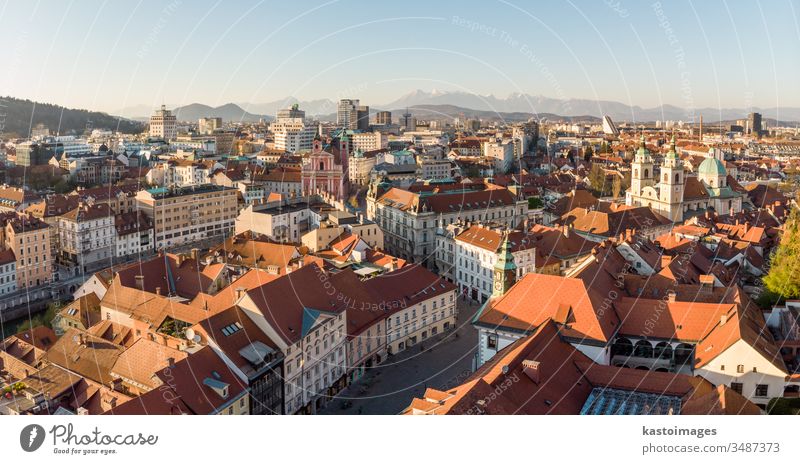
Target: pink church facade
(322,174)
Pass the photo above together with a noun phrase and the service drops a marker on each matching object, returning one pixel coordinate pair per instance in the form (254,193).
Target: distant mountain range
(230,112)
(20,116)
(539,105)
(421,104)
(519,106)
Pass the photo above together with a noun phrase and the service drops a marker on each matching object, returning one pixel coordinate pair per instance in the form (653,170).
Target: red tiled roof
(578,303)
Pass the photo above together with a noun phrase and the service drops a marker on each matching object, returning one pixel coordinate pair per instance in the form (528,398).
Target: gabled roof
(140,362)
(246,250)
(290,302)
(85,355)
(555,296)
(172,275)
(614,223)
(233,331)
(149,307)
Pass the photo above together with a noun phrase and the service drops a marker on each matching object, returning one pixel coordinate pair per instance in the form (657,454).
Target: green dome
(712,167)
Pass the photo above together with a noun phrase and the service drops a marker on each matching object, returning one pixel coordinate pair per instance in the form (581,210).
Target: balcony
(638,362)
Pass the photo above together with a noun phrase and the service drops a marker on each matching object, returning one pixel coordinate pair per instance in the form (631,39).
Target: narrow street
(387,389)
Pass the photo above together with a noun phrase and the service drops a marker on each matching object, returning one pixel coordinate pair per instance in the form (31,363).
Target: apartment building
(86,236)
(134,234)
(409,219)
(360,165)
(188,214)
(310,332)
(368,141)
(418,303)
(8,272)
(281,222)
(292,134)
(29,238)
(433,167)
(467,254)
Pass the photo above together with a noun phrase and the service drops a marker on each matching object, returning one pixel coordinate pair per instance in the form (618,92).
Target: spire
(642,154)
(672,153)
(505,270)
(505,259)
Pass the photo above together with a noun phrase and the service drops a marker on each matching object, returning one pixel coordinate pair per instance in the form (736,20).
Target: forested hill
(15,119)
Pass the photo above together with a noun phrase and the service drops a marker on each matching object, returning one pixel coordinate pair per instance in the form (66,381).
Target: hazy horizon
(112,56)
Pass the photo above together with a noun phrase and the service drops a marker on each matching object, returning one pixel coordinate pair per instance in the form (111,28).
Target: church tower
(505,271)
(672,182)
(642,166)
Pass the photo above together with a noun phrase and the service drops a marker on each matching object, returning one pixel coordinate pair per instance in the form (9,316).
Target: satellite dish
(190,334)
(196,338)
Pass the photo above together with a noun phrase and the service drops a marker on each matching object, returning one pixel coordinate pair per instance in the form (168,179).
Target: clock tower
(505,271)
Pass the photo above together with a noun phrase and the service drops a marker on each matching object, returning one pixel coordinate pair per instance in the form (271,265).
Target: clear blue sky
(108,55)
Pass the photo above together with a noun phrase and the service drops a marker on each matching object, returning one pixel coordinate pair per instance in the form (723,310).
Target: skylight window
(231,329)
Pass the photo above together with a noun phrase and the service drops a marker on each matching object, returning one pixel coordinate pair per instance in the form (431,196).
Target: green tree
(599,180)
(783,279)
(535,203)
(616,186)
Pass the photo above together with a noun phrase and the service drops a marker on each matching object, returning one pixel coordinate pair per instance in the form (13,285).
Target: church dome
(712,167)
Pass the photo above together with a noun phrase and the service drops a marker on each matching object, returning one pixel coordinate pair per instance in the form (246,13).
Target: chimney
(532,370)
(180,259)
(158,291)
(671,296)
(566,231)
(139,282)
(240,292)
(171,362)
(81,340)
(196,255)
(723,319)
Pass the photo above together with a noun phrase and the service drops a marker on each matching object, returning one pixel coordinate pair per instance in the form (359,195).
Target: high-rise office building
(362,118)
(754,123)
(352,115)
(163,124)
(347,113)
(383,117)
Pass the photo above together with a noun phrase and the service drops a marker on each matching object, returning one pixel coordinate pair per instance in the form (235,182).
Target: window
(737,387)
(762,389)
(491,341)
(740,369)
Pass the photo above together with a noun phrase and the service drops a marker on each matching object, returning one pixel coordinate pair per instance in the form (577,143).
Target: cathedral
(677,196)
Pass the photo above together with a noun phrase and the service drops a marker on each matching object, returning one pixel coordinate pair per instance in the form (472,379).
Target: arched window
(321,166)
(635,173)
(663,350)
(683,354)
(643,349)
(666,177)
(646,173)
(677,178)
(622,347)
